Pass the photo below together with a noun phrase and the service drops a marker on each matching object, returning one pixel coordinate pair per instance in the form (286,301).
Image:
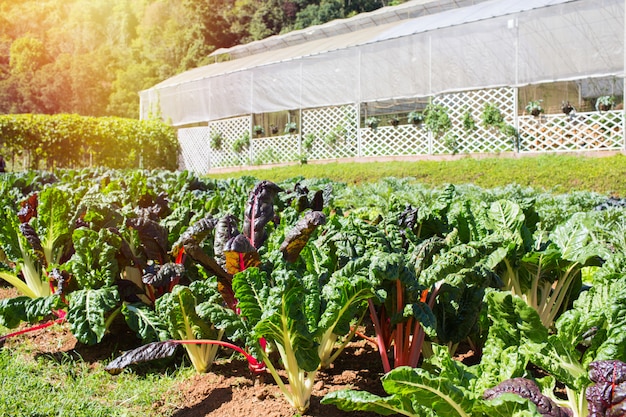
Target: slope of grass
(558,173)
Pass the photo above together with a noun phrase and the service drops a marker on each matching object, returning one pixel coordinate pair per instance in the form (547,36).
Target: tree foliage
(92,57)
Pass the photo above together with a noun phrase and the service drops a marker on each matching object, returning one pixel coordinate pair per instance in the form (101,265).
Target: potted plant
(372,122)
(534,107)
(566,107)
(291,127)
(415,118)
(216,141)
(605,103)
(273,129)
(258,130)
(394,121)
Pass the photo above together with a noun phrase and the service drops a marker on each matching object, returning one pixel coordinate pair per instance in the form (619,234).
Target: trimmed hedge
(73,141)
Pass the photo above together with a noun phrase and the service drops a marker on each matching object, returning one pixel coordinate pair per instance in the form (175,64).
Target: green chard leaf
(88,310)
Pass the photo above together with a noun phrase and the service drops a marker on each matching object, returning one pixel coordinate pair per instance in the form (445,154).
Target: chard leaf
(178,309)
(349,400)
(53,219)
(607,396)
(300,234)
(527,389)
(508,405)
(145,322)
(259,211)
(252,291)
(153,238)
(428,390)
(575,240)
(240,255)
(19,309)
(88,310)
(284,323)
(145,353)
(225,230)
(94,264)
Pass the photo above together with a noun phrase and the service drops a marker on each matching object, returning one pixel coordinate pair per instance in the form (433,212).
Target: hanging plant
(605,103)
(394,121)
(415,118)
(437,120)
(243,142)
(469,125)
(216,141)
(491,116)
(291,128)
(273,129)
(372,122)
(258,130)
(534,107)
(451,142)
(566,107)
(307,142)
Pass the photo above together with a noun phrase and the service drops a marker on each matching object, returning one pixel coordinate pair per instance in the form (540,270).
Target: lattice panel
(275,149)
(332,132)
(581,132)
(231,130)
(390,141)
(195,149)
(481,139)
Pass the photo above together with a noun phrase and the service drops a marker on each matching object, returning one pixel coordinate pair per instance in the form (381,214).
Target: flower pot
(535,112)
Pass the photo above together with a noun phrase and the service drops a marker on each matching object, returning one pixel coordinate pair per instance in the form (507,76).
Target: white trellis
(593,131)
(330,132)
(395,141)
(230,130)
(194,148)
(470,104)
(273,150)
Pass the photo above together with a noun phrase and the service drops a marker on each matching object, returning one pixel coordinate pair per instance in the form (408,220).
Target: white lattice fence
(581,132)
(480,139)
(389,141)
(331,132)
(195,149)
(273,150)
(230,130)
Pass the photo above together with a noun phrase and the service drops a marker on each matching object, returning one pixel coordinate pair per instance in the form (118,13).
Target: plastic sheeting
(488,44)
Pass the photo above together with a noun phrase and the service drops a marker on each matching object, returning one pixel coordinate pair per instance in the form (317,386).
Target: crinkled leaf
(607,396)
(145,353)
(240,255)
(300,234)
(526,388)
(148,325)
(285,323)
(429,390)
(153,238)
(16,310)
(88,311)
(94,263)
(259,211)
(350,400)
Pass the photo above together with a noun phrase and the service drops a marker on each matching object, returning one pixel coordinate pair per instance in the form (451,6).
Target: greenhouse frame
(427,77)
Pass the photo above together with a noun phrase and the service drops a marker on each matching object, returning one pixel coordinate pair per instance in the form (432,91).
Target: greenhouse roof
(380,25)
(418,49)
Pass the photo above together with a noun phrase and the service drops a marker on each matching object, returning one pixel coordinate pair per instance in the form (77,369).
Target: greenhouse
(427,77)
